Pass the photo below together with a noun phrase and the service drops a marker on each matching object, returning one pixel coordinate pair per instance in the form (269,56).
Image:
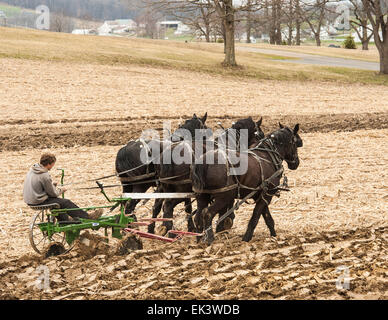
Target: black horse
(214,185)
(175,177)
(137,176)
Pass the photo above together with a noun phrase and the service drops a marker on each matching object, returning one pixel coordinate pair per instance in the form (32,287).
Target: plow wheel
(129,243)
(40,241)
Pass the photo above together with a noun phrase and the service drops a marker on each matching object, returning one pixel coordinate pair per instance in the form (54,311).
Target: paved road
(305,58)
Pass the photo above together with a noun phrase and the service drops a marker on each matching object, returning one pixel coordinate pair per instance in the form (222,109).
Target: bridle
(201,127)
(293,146)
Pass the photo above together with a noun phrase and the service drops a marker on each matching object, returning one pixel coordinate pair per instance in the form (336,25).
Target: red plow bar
(185,233)
(140,224)
(156,219)
(180,235)
(148,221)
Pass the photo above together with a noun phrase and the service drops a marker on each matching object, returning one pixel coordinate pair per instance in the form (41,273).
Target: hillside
(192,56)
(94,9)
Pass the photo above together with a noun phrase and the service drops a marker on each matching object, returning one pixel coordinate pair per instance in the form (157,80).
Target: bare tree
(204,21)
(275,16)
(298,22)
(361,21)
(147,20)
(224,10)
(290,18)
(377,13)
(313,12)
(249,22)
(59,22)
(84,22)
(200,16)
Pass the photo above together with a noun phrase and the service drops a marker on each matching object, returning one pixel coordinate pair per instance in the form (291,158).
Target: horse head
(253,128)
(187,130)
(287,141)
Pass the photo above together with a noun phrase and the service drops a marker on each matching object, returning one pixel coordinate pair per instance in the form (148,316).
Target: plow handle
(62,180)
(101,186)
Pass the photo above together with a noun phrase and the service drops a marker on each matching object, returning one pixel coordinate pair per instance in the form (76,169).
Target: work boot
(96,214)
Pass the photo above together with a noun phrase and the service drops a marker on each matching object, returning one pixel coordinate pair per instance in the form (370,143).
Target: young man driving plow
(39,189)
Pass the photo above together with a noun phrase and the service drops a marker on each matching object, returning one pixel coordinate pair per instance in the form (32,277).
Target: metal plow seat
(46,206)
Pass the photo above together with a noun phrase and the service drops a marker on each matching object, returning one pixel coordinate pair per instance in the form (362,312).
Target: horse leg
(227,223)
(188,206)
(130,208)
(202,202)
(269,221)
(189,210)
(254,220)
(135,189)
(131,204)
(208,214)
(190,223)
(168,212)
(156,208)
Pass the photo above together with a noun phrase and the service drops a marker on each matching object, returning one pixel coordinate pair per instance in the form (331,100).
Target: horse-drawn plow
(45,228)
(178,181)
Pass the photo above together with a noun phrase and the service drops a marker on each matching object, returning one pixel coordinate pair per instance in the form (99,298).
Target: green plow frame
(73,229)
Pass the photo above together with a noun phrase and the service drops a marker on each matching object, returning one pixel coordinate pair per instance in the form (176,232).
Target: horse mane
(281,134)
(127,159)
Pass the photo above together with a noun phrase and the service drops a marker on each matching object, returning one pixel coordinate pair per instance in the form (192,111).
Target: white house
(127,23)
(118,26)
(107,28)
(244,38)
(80,31)
(180,28)
(3,18)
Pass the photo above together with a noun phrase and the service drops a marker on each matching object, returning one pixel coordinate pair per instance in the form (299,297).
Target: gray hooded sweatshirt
(38,186)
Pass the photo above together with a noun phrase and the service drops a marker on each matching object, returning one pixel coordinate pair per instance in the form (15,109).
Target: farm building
(118,26)
(178,26)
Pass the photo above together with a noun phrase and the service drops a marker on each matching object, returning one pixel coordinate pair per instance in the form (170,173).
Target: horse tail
(198,176)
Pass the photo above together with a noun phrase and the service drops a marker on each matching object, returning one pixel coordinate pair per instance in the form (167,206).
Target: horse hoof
(209,241)
(246,238)
(161,230)
(151,230)
(228,223)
